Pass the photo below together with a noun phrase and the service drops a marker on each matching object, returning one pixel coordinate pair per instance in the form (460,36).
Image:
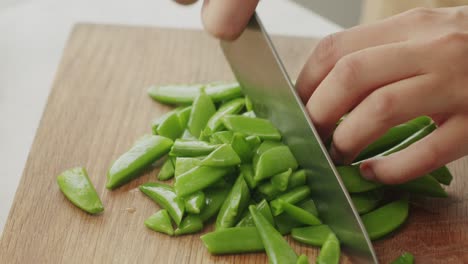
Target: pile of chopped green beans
(225,165)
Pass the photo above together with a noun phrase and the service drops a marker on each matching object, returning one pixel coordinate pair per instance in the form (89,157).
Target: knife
(261,74)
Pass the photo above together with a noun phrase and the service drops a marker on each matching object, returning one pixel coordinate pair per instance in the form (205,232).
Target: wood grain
(97,108)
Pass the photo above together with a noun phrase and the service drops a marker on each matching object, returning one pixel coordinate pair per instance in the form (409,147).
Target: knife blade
(259,70)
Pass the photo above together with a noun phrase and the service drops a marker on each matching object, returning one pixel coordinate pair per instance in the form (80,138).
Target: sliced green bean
(222,137)
(263,208)
(285,223)
(191,148)
(330,251)
(263,147)
(198,179)
(233,240)
(303,259)
(231,107)
(189,225)
(405,258)
(76,186)
(195,202)
(248,104)
(214,199)
(367,201)
(293,196)
(281,180)
(233,206)
(160,222)
(385,219)
(246,171)
(353,181)
(184,164)
(203,109)
(165,197)
(223,156)
(262,128)
(270,192)
(300,214)
(274,161)
(143,153)
(167,170)
(169,125)
(242,147)
(311,235)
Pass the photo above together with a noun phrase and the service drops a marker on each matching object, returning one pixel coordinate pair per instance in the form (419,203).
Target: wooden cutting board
(98,107)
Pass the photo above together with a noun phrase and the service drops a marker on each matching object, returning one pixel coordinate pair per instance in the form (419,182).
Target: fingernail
(335,154)
(367,172)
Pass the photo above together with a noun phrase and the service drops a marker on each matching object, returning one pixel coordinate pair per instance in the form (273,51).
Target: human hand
(225,19)
(384,74)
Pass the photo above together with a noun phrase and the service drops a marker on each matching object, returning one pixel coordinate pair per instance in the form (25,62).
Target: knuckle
(326,51)
(384,106)
(456,39)
(347,70)
(421,14)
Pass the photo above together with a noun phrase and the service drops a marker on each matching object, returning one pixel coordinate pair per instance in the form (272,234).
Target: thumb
(226,19)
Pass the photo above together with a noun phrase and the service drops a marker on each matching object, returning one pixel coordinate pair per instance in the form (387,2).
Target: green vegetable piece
(189,225)
(184,164)
(274,161)
(425,185)
(76,186)
(167,170)
(186,94)
(405,258)
(285,223)
(303,259)
(198,179)
(223,156)
(253,141)
(222,137)
(242,147)
(280,181)
(233,206)
(184,116)
(262,128)
(248,104)
(385,219)
(165,197)
(232,107)
(143,153)
(157,121)
(250,114)
(365,202)
(276,247)
(353,181)
(264,208)
(311,235)
(170,126)
(214,199)
(202,110)
(309,206)
(293,196)
(246,171)
(187,136)
(195,202)
(330,251)
(191,148)
(270,192)
(300,214)
(233,240)
(442,175)
(160,222)
(264,146)
(393,136)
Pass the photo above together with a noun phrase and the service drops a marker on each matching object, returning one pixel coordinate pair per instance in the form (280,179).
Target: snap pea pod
(160,222)
(270,192)
(262,128)
(167,170)
(302,259)
(248,104)
(246,171)
(353,181)
(442,175)
(249,114)
(263,208)
(231,107)
(276,247)
(223,156)
(184,164)
(367,201)
(311,235)
(186,94)
(184,115)
(76,186)
(165,197)
(285,223)
(425,185)
(274,161)
(233,240)
(293,196)
(187,136)
(189,225)
(385,219)
(280,181)
(195,202)
(299,214)
(203,109)
(169,125)
(405,258)
(264,146)
(330,251)
(191,148)
(242,147)
(143,153)
(254,142)
(214,199)
(222,137)
(393,136)
(233,206)
(198,179)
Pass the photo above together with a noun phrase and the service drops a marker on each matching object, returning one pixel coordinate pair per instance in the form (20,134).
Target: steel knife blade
(262,76)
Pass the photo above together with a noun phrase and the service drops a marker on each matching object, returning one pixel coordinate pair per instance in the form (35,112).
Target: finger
(185,2)
(226,19)
(356,75)
(386,107)
(447,143)
(333,47)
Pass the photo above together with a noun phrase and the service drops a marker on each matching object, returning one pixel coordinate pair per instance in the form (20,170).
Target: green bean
(285,223)
(233,240)
(231,107)
(76,186)
(242,147)
(300,214)
(222,137)
(293,196)
(270,192)
(280,181)
(311,235)
(184,164)
(165,197)
(263,147)
(167,170)
(169,125)
(214,199)
(303,259)
(195,202)
(248,104)
(202,110)
(198,179)
(405,258)
(353,181)
(233,206)
(330,251)
(223,156)
(189,225)
(262,128)
(425,185)
(143,153)
(263,208)
(160,222)
(246,171)
(367,201)
(385,219)
(191,148)
(274,161)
